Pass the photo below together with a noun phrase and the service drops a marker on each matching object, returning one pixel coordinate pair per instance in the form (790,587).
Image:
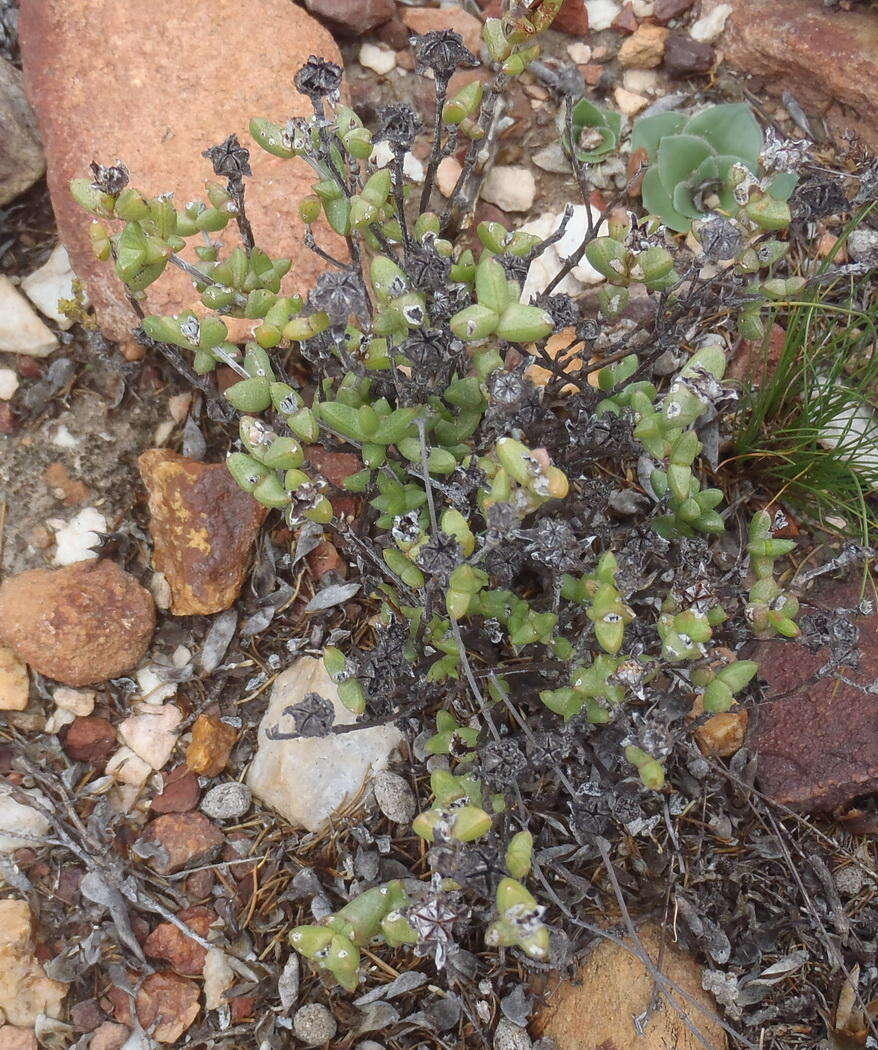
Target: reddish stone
(86,1016)
(592,73)
(685,56)
(140,101)
(324,559)
(109,1036)
(665,10)
(90,739)
(352,17)
(755,360)
(242,1007)
(187,839)
(72,492)
(203,527)
(335,467)
(7,418)
(81,624)
(572,18)
(168,943)
(166,1000)
(180,792)
(212,743)
(817,747)
(626,21)
(425,19)
(199,884)
(827,59)
(395,34)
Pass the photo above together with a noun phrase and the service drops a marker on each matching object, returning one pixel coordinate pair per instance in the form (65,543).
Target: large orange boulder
(154,85)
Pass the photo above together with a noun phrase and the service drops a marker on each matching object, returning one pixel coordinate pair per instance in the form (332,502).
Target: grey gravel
(508,1036)
(314,1024)
(227,801)
(394,797)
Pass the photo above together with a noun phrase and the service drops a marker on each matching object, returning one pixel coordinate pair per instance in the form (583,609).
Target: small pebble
(511,188)
(628,102)
(394,797)
(850,880)
(379,59)
(79,702)
(447,175)
(601,13)
(579,53)
(508,1036)
(228,801)
(709,27)
(314,1024)
(8,383)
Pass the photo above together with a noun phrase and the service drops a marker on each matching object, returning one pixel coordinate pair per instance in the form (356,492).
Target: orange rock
(25,990)
(722,734)
(561,346)
(212,742)
(109,1036)
(67,489)
(81,624)
(425,19)
(325,558)
(166,1000)
(335,467)
(203,527)
(597,1011)
(645,48)
(168,943)
(186,838)
(140,101)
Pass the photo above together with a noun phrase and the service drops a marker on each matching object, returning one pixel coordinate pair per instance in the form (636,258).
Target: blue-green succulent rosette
(693,158)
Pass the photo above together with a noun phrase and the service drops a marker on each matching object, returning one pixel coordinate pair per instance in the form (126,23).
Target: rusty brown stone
(203,527)
(818,747)
(90,739)
(352,17)
(212,742)
(141,101)
(324,559)
(168,943)
(597,1010)
(81,624)
(109,1036)
(425,19)
(335,467)
(69,490)
(165,999)
(827,59)
(180,792)
(186,839)
(572,18)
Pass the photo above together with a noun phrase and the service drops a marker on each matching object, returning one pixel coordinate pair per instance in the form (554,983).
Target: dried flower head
(443,51)
(318,78)
(340,294)
(400,124)
(111,179)
(229,159)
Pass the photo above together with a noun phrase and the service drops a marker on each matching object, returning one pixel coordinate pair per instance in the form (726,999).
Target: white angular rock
(306,780)
(579,53)
(80,702)
(17,820)
(51,283)
(377,57)
(127,768)
(76,540)
(552,158)
(511,188)
(150,733)
(709,26)
(8,384)
(550,261)
(218,978)
(21,331)
(228,801)
(601,13)
(412,168)
(642,81)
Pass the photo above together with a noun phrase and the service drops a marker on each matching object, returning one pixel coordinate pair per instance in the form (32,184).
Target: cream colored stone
(14,686)
(629,103)
(21,331)
(150,733)
(20,824)
(306,780)
(51,283)
(80,702)
(25,991)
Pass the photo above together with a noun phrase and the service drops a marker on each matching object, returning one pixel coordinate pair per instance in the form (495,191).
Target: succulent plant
(707,163)
(595,131)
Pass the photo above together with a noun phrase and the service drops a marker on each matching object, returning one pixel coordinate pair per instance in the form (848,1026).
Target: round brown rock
(81,624)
